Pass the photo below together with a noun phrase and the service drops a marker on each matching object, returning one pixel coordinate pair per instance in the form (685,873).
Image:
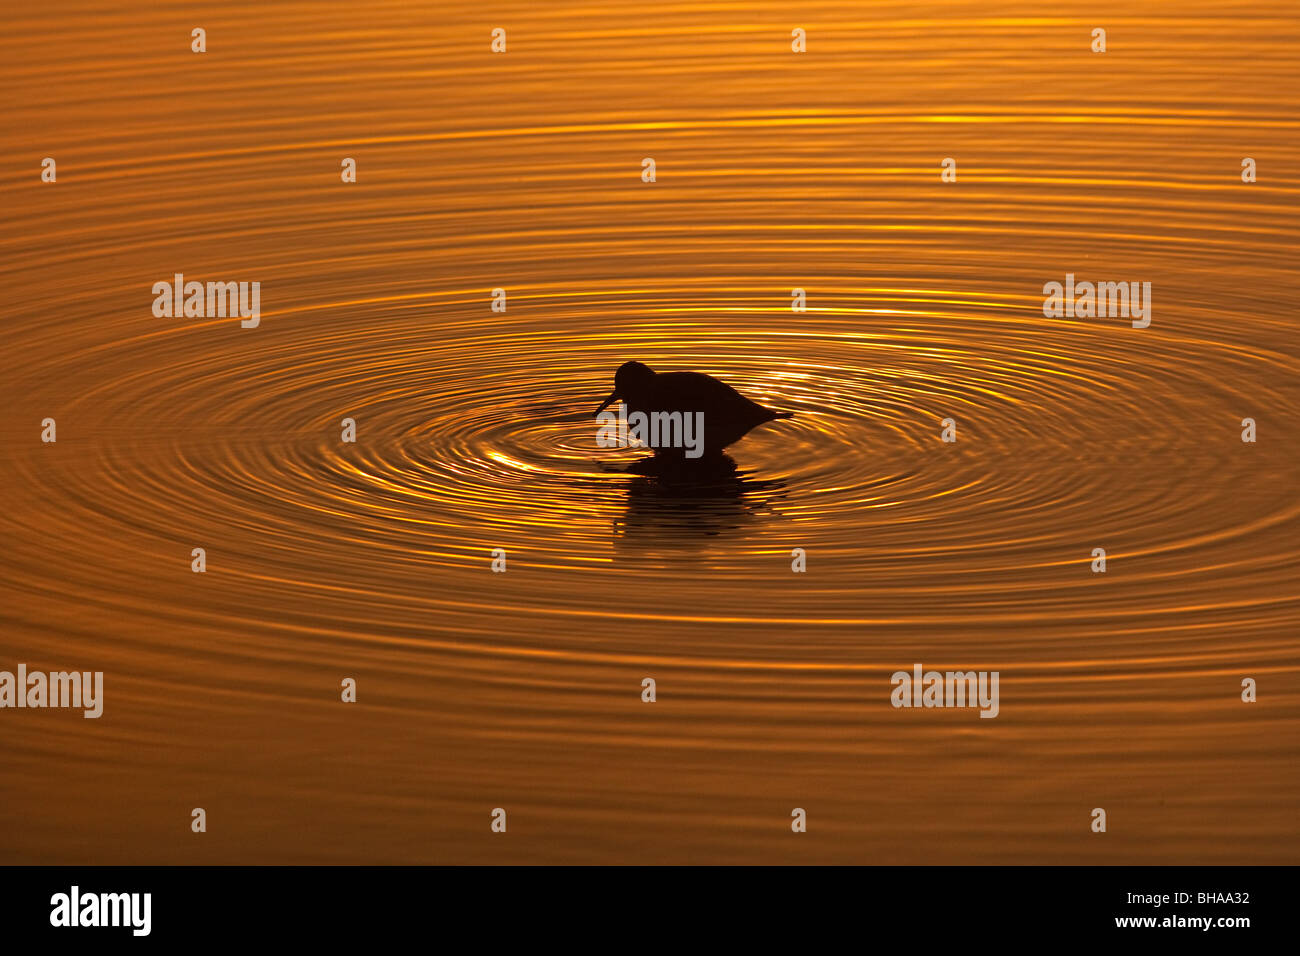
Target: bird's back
(697,392)
(727,415)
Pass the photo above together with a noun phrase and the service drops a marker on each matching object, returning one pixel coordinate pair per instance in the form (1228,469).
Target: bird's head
(631,380)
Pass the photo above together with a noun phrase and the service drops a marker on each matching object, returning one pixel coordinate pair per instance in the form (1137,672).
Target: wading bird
(673,405)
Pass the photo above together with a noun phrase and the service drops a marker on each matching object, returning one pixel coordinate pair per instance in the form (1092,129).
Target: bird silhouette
(727,415)
(672,508)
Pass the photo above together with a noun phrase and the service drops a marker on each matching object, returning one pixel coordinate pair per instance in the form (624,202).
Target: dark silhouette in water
(669,506)
(728,415)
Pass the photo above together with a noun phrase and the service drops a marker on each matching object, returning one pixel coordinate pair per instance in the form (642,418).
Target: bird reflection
(675,502)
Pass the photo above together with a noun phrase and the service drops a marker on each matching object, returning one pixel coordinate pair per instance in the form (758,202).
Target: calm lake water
(522,690)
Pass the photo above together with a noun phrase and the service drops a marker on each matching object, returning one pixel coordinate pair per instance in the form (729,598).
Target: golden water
(522,690)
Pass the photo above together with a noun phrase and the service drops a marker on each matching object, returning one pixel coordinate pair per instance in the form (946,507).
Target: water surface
(523,690)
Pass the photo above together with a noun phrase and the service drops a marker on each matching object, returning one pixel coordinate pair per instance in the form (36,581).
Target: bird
(727,416)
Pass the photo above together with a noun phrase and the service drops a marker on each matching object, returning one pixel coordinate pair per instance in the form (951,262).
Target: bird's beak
(613,397)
